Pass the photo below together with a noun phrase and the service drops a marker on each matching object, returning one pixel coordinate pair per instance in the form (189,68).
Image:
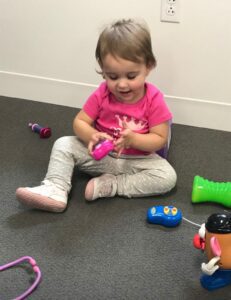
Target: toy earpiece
(35,268)
(44,132)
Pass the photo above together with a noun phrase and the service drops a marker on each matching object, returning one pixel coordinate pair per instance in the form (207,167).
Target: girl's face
(125,79)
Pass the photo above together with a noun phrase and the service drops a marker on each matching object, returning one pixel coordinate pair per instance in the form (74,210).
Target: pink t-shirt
(109,114)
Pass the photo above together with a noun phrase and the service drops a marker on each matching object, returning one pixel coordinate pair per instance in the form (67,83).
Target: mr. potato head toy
(214,237)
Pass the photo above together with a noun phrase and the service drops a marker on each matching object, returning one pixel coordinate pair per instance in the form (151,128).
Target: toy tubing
(205,190)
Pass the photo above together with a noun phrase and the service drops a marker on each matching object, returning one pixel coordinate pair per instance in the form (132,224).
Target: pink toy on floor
(36,269)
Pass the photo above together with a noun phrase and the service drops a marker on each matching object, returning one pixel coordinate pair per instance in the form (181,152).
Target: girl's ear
(148,70)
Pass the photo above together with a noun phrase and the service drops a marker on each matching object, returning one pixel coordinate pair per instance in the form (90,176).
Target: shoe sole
(38,201)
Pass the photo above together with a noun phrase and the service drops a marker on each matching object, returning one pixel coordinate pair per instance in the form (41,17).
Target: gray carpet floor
(105,249)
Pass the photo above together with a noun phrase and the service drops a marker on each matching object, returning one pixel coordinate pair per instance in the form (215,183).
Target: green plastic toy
(205,190)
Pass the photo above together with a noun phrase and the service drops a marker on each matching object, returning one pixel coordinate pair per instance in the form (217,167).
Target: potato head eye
(202,231)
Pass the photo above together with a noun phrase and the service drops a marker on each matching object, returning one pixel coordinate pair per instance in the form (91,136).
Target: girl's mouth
(125,95)
(125,92)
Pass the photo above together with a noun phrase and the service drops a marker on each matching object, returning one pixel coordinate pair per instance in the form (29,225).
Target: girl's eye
(112,77)
(131,76)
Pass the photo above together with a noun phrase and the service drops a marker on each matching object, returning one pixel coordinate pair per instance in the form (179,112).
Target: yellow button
(166,210)
(174,211)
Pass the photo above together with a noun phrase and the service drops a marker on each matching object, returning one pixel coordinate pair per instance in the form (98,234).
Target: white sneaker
(46,197)
(101,187)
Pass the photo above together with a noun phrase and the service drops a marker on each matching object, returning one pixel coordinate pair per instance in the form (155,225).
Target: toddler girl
(124,109)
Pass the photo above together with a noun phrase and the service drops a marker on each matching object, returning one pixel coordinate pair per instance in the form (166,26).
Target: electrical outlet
(170,11)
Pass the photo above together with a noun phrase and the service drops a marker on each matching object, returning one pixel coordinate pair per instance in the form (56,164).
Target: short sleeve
(159,111)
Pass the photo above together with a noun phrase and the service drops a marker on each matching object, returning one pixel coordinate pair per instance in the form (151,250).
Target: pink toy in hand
(102,149)
(44,132)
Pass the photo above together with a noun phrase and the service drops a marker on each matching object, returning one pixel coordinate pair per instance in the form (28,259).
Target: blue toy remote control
(168,216)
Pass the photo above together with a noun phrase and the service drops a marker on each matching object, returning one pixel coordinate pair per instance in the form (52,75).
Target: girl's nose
(122,83)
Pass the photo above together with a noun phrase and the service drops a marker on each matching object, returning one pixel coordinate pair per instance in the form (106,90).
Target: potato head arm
(211,267)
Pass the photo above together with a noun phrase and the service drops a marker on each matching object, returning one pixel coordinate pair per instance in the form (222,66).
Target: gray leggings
(136,177)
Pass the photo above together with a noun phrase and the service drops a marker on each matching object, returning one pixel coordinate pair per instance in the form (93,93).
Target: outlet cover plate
(170,11)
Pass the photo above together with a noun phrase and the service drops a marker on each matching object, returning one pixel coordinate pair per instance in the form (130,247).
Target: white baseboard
(44,89)
(186,111)
(200,113)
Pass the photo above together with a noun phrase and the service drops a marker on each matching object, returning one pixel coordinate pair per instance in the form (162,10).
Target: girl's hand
(96,138)
(125,140)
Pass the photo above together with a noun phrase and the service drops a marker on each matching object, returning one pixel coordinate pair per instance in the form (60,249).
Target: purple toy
(36,269)
(102,149)
(44,132)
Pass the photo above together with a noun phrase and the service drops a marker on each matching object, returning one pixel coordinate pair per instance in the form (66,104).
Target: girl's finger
(124,124)
(119,153)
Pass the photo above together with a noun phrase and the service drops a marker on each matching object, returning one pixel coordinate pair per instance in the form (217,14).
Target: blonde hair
(126,39)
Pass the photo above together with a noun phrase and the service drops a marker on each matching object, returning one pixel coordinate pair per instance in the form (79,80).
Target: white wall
(47,53)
